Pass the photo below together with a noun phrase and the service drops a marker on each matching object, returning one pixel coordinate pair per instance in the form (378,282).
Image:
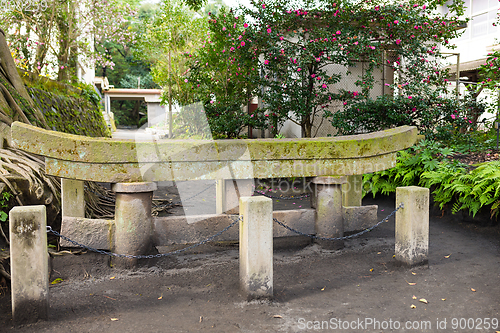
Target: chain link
(150,256)
(209,239)
(341,238)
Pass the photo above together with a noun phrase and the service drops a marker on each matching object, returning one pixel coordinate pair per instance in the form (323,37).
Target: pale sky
(235,3)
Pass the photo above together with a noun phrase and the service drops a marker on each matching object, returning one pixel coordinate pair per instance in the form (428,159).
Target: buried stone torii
(133,167)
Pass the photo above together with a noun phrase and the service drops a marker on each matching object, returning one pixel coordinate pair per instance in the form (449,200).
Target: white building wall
(480,34)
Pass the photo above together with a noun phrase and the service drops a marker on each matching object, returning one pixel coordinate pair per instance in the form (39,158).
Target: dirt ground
(359,288)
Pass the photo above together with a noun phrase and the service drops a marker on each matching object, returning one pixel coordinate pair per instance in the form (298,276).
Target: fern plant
(411,164)
(469,191)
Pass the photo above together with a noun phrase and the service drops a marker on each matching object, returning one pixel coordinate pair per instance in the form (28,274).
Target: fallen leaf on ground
(322,289)
(414,297)
(277,316)
(371,269)
(472,289)
(413,273)
(413,306)
(443,299)
(411,283)
(201,319)
(423,300)
(160,297)
(56,281)
(112,278)
(447,256)
(114,319)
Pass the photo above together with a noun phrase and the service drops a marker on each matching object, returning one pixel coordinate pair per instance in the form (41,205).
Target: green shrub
(436,117)
(410,165)
(469,191)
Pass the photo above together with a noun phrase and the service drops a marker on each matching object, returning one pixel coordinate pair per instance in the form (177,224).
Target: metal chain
(150,256)
(292,197)
(345,237)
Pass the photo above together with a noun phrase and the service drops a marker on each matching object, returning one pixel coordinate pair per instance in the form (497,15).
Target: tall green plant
(468,191)
(410,165)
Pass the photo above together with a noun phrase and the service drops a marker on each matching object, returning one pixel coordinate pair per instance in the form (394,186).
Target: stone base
(96,233)
(357,218)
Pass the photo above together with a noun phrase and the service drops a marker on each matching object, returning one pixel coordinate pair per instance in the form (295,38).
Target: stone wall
(70,114)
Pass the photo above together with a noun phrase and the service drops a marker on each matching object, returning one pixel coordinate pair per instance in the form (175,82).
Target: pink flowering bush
(300,49)
(295,56)
(223,75)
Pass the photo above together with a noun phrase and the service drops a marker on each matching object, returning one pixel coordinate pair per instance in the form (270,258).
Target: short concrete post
(412,225)
(29,264)
(228,192)
(72,197)
(352,191)
(133,221)
(329,215)
(256,247)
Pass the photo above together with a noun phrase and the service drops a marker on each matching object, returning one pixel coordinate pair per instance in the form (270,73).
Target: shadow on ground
(198,292)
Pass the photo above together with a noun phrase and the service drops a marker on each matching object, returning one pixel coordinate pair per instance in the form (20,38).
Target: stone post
(72,197)
(256,247)
(229,191)
(329,215)
(133,221)
(352,191)
(29,264)
(412,225)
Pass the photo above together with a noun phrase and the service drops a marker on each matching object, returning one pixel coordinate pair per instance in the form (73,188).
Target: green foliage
(411,164)
(191,122)
(428,164)
(223,76)
(5,197)
(468,191)
(436,117)
(300,42)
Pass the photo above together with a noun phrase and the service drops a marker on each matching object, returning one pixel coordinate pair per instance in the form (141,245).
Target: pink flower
(398,41)
(338,32)
(323,85)
(245,25)
(263,6)
(396,22)
(414,109)
(268,30)
(409,97)
(266,61)
(299,69)
(453,116)
(242,43)
(223,28)
(281,38)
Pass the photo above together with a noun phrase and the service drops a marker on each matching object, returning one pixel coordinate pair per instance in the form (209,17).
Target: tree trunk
(9,72)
